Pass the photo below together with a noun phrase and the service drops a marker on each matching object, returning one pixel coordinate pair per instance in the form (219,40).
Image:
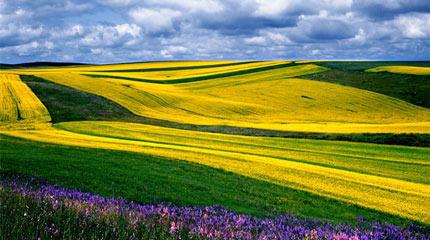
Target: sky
(106,31)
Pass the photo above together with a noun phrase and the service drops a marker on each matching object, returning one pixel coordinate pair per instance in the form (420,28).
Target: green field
(226,133)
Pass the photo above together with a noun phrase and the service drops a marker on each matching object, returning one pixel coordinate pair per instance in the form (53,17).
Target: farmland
(19,103)
(226,133)
(236,100)
(402,69)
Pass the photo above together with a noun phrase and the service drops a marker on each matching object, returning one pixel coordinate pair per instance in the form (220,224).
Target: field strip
(9,110)
(401,163)
(170,77)
(343,127)
(394,196)
(273,74)
(137,131)
(402,70)
(131,66)
(19,103)
(179,68)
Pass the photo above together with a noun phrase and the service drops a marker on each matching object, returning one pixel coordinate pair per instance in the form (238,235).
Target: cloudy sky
(100,31)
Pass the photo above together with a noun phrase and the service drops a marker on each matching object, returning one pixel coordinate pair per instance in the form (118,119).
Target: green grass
(145,178)
(410,88)
(67,104)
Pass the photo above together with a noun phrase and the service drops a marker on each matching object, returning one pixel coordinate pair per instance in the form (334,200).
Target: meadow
(255,137)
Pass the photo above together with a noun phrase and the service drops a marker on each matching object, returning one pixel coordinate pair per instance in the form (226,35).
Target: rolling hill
(270,99)
(126,115)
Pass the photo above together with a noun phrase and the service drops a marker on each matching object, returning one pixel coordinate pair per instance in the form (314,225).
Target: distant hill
(39,64)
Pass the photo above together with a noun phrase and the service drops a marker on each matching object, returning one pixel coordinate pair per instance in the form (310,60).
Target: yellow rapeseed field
(386,178)
(125,66)
(268,100)
(402,70)
(18,102)
(180,74)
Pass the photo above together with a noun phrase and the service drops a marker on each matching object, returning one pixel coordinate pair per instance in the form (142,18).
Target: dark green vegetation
(363,65)
(199,78)
(68,104)
(410,88)
(38,64)
(145,178)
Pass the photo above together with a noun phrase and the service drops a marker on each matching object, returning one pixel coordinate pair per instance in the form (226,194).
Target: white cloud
(360,37)
(257,40)
(133,30)
(117,35)
(280,8)
(196,6)
(101,52)
(272,8)
(278,38)
(13,34)
(155,20)
(117,3)
(171,51)
(413,25)
(77,29)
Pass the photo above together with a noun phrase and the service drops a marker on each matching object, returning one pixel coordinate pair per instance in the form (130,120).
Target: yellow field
(123,66)
(402,70)
(268,100)
(180,74)
(138,70)
(18,102)
(363,174)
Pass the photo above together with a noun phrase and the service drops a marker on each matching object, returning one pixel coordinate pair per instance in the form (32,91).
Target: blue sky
(103,31)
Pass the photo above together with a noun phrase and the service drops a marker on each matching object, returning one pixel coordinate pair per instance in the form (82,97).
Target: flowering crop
(264,100)
(18,102)
(34,209)
(402,70)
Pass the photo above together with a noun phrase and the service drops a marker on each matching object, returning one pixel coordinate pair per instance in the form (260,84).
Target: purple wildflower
(211,222)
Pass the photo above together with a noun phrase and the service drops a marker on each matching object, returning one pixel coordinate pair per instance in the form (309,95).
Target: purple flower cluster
(202,222)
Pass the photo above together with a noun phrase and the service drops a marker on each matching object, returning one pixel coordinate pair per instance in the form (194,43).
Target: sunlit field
(18,102)
(402,69)
(270,99)
(313,140)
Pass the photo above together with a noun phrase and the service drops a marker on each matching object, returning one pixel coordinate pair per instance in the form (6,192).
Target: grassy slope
(68,104)
(386,178)
(145,178)
(410,88)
